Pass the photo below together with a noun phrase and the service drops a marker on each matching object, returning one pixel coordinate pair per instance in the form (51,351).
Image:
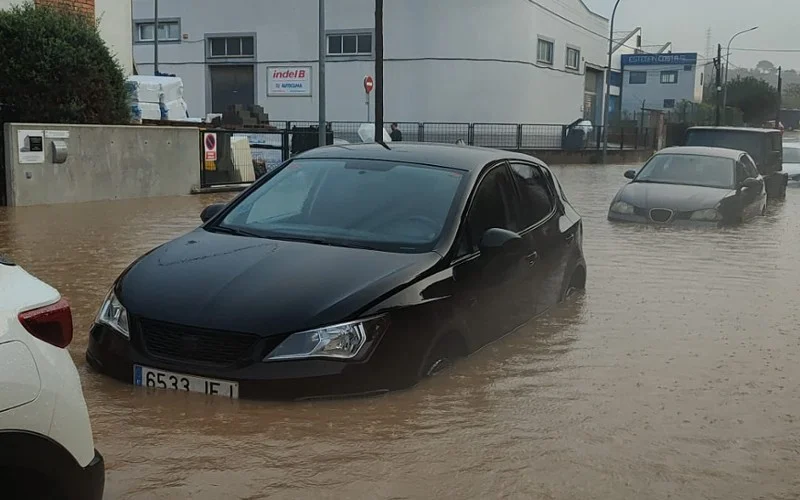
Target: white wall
(654,92)
(5,4)
(446,60)
(114,18)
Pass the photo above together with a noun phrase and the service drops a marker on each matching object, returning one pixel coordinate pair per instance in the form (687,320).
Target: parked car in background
(765,147)
(692,185)
(348,270)
(46,445)
(791,160)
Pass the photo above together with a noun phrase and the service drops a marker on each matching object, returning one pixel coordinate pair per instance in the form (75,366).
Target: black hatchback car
(348,270)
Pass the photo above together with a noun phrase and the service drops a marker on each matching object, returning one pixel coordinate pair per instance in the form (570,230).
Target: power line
(767,50)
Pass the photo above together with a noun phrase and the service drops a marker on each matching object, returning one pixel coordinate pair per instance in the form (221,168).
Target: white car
(791,160)
(46,445)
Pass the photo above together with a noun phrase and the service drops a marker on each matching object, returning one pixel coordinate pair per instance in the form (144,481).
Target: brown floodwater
(673,376)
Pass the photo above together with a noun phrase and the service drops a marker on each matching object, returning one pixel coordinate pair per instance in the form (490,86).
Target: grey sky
(684,22)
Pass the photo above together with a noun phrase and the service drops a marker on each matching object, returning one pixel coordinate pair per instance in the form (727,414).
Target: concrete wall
(114,22)
(446,60)
(104,162)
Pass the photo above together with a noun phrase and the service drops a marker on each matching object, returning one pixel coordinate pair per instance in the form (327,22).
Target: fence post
(621,138)
(471,134)
(519,136)
(420,132)
(202,154)
(636,145)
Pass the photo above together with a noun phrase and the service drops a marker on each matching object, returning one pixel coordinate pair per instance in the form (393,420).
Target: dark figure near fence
(395,134)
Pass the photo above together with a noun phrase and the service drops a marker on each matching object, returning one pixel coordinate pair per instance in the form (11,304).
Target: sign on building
(210,146)
(289,81)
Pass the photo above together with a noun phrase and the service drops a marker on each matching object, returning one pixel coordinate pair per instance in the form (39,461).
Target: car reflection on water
(349,270)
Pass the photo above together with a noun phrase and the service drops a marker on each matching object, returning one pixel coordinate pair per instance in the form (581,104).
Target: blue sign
(678,59)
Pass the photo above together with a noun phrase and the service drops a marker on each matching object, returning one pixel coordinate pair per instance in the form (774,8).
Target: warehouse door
(592,96)
(232,85)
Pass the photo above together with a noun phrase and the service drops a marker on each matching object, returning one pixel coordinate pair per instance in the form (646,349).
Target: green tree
(56,69)
(791,96)
(757,99)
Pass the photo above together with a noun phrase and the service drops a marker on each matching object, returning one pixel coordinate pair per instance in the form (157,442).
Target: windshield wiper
(232,230)
(320,241)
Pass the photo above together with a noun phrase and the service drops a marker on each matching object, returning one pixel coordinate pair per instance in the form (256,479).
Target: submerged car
(791,160)
(692,185)
(348,270)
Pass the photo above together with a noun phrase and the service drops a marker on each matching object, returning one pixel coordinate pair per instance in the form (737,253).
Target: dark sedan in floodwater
(348,270)
(696,185)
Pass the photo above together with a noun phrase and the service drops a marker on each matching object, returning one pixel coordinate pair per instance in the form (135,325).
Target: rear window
(755,144)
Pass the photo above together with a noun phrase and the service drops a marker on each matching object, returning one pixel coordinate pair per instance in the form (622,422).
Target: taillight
(52,324)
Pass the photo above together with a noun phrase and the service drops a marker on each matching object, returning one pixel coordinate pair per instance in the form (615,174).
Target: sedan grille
(660,215)
(183,343)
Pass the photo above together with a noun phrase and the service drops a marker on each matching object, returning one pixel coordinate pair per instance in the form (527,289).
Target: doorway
(230,85)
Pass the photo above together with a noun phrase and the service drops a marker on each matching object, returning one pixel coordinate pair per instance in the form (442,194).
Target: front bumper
(114,355)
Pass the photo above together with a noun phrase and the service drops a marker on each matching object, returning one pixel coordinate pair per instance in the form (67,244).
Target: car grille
(660,215)
(182,343)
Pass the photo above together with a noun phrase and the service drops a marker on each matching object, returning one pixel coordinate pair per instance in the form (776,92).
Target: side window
(492,206)
(741,173)
(536,196)
(749,167)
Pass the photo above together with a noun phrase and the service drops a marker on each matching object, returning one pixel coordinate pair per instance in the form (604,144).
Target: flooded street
(674,376)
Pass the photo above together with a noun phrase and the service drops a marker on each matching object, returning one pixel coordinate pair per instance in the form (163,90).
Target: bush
(55,68)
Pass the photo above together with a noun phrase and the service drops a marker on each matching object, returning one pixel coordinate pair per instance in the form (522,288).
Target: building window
(544,52)
(168,31)
(231,46)
(350,44)
(637,77)
(669,103)
(669,77)
(573,58)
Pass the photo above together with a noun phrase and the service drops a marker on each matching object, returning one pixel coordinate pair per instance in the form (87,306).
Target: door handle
(532,258)
(569,238)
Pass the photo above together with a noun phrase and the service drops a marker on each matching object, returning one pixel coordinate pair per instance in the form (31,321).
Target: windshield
(755,144)
(791,154)
(692,170)
(367,203)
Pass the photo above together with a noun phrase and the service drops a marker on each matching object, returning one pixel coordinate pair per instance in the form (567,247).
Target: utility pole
(780,98)
(323,129)
(155,38)
(607,97)
(718,66)
(379,71)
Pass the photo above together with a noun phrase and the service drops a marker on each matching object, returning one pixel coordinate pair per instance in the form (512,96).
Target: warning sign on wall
(210,145)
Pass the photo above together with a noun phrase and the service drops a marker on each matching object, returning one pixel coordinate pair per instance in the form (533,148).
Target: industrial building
(504,61)
(660,81)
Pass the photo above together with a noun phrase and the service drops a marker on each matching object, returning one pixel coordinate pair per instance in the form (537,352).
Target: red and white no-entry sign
(210,144)
(369,84)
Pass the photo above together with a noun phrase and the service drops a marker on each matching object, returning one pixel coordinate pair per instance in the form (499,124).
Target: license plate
(160,379)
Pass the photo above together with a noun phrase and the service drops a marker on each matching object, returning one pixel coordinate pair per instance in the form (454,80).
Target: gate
(241,156)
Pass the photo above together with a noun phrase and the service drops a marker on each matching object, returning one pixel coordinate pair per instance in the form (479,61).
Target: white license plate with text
(160,379)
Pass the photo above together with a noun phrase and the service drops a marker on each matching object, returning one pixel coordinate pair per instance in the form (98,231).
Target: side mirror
(496,240)
(630,174)
(751,183)
(210,211)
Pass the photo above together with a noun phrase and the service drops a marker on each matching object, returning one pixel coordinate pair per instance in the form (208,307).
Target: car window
(493,206)
(750,167)
(536,195)
(377,204)
(741,173)
(691,170)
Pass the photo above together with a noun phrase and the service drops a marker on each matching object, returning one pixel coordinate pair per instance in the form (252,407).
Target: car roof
(739,129)
(453,156)
(733,154)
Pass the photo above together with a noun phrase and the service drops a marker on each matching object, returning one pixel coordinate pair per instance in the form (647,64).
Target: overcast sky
(685,22)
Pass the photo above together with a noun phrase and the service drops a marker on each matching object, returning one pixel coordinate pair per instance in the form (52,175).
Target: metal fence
(245,154)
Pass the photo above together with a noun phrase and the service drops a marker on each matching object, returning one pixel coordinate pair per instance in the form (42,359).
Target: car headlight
(709,215)
(344,341)
(622,207)
(113,314)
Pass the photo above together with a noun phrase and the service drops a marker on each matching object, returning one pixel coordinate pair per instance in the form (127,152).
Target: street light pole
(379,71)
(323,129)
(727,60)
(155,38)
(607,99)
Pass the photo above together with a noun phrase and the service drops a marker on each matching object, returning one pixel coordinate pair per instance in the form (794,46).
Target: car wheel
(23,484)
(443,355)
(576,283)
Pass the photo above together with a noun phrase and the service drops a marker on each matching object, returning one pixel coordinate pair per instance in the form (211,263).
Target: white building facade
(113,18)
(499,61)
(660,81)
